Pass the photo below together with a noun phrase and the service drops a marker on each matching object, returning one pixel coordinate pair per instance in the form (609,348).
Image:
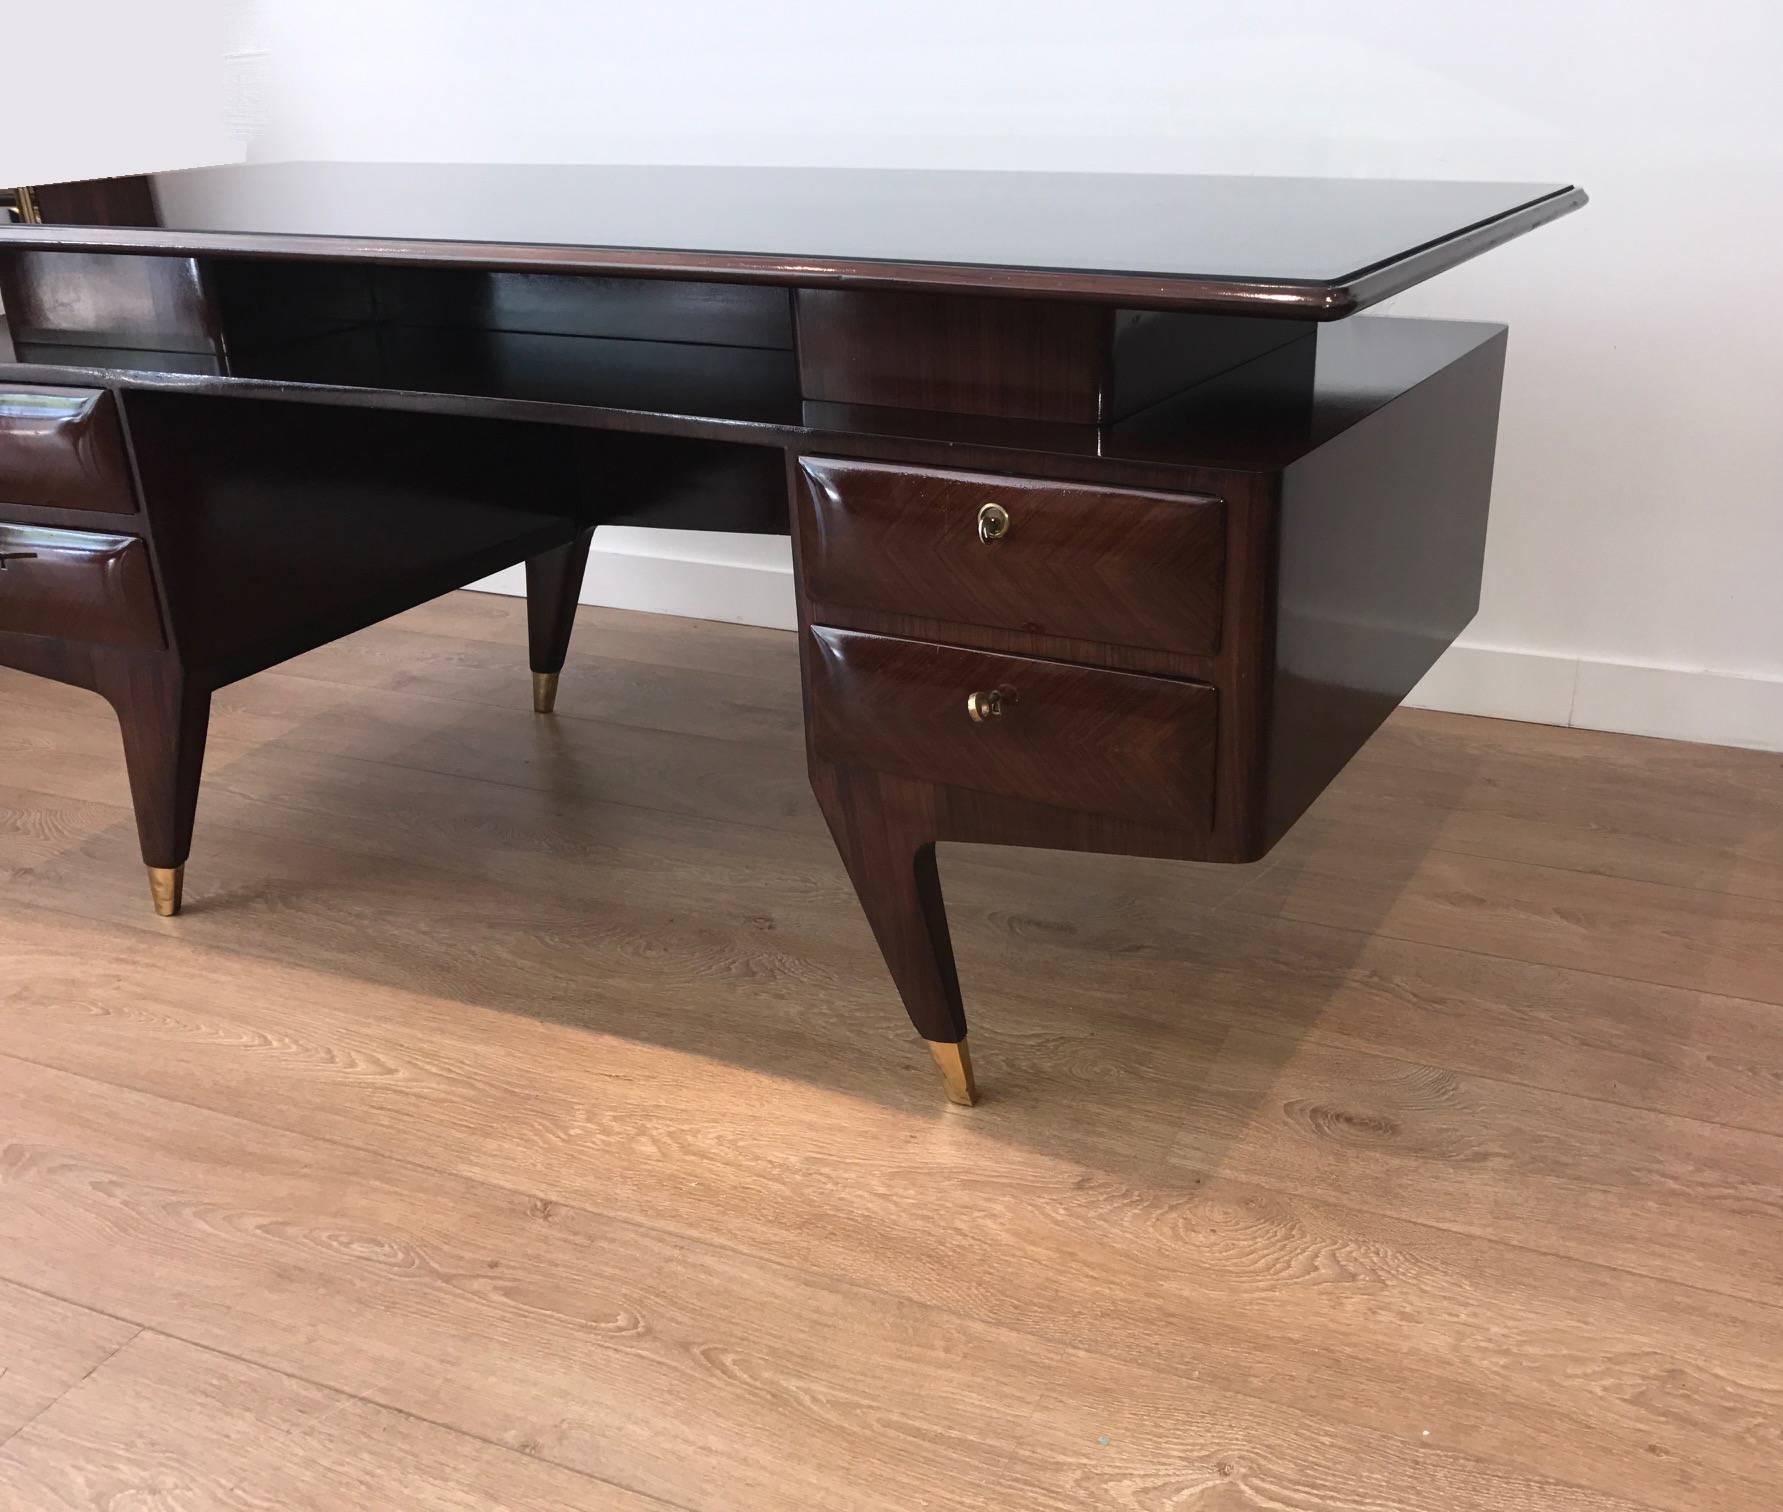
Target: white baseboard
(1674,703)
(747,580)
(741,579)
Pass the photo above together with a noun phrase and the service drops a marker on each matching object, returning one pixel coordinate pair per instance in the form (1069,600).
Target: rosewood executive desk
(1112,530)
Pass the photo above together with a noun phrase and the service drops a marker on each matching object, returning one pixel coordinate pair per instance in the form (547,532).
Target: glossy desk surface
(1296,247)
(750,395)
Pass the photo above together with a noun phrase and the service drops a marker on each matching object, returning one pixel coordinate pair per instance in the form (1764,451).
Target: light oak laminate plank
(46,1347)
(1535,1360)
(663,1366)
(166,1425)
(585,966)
(1680,1199)
(1726,943)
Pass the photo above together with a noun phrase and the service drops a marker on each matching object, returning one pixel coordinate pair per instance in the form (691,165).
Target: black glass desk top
(1299,247)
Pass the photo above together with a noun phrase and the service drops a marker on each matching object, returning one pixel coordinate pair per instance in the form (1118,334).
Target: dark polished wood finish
(1356,626)
(1298,249)
(885,828)
(1033,359)
(99,300)
(1114,565)
(1096,565)
(77,583)
(553,579)
(163,710)
(124,201)
(1077,738)
(1027,359)
(282,527)
(62,448)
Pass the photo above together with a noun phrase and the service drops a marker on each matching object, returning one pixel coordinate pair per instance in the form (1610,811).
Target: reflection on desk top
(1244,421)
(1297,247)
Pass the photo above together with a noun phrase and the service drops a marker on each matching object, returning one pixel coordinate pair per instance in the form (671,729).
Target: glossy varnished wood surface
(1078,738)
(521,1116)
(79,301)
(61,448)
(80,584)
(1111,566)
(127,201)
(602,384)
(1273,247)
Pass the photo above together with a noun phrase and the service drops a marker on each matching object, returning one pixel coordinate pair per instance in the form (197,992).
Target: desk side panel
(281,527)
(1381,541)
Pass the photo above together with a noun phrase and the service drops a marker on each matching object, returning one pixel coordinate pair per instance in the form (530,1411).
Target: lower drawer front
(1075,737)
(77,585)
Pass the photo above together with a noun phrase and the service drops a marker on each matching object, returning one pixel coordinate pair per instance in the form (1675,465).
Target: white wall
(160,93)
(1638,517)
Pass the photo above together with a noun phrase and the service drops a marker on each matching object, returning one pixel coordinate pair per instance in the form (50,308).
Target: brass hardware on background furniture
(544,692)
(23,206)
(955,1063)
(167,885)
(993,523)
(983,706)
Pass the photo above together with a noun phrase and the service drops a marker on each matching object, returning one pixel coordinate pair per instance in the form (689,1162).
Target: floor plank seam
(349,1396)
(97,1365)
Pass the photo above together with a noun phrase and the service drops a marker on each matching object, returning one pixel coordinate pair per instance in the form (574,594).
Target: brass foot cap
(167,884)
(955,1062)
(544,692)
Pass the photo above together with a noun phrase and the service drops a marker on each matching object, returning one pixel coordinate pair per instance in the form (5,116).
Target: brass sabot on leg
(955,1063)
(166,886)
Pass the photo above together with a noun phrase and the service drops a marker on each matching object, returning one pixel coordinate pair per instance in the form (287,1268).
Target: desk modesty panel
(1113,529)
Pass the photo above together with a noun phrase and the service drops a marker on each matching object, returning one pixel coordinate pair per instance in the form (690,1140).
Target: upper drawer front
(77,585)
(1075,737)
(62,448)
(1113,566)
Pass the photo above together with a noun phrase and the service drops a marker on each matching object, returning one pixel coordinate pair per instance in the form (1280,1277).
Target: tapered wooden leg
(885,829)
(164,716)
(553,583)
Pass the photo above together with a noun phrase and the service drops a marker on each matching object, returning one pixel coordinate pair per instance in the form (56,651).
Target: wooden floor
(520,1117)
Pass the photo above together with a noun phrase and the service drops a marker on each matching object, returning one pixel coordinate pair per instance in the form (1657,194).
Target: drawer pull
(16,556)
(993,523)
(983,706)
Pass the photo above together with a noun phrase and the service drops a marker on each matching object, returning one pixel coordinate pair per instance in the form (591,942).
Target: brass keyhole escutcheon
(983,706)
(993,522)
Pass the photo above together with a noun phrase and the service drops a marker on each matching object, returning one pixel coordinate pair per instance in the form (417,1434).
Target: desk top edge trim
(1223,294)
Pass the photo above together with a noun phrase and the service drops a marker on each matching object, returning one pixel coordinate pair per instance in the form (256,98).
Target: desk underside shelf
(1070,573)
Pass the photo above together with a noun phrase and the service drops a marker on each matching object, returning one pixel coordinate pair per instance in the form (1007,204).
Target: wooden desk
(1112,531)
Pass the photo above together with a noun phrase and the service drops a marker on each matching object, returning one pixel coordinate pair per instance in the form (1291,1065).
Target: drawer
(1076,737)
(1114,566)
(77,585)
(63,448)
